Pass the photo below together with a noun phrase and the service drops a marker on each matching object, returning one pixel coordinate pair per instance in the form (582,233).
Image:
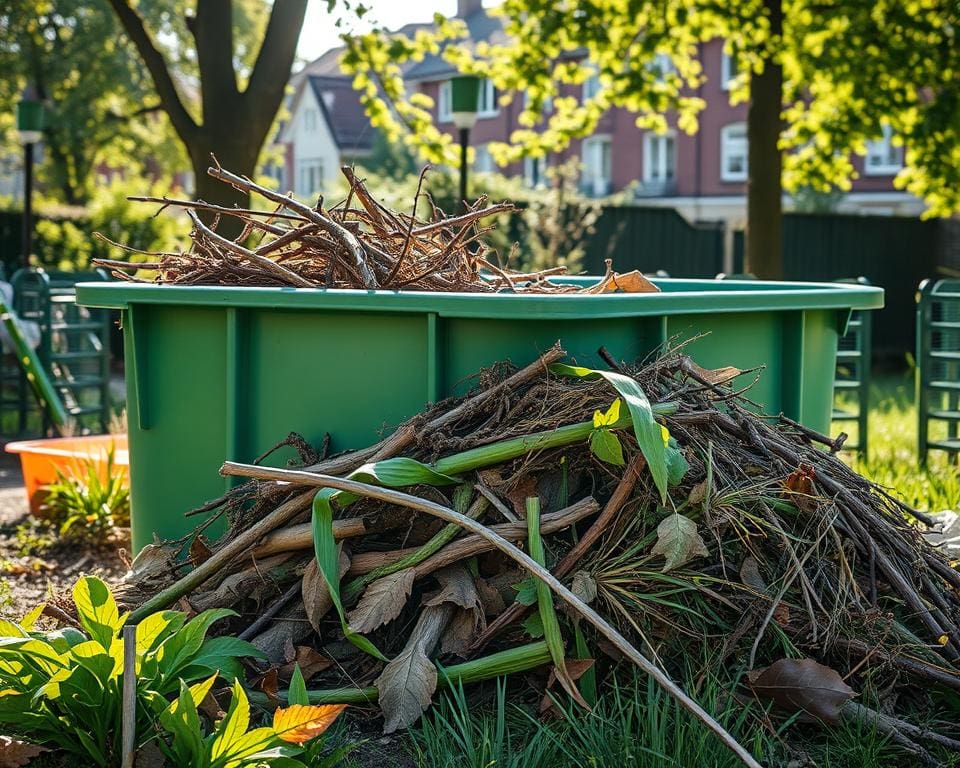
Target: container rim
(680,296)
(46,447)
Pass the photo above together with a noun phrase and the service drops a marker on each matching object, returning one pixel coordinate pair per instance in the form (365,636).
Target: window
(445,103)
(883,158)
(597,165)
(483,160)
(591,87)
(310,119)
(733,152)
(659,158)
(535,171)
(547,103)
(488,99)
(728,70)
(309,177)
(662,65)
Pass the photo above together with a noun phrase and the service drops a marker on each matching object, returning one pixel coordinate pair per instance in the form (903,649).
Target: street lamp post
(464,98)
(30,130)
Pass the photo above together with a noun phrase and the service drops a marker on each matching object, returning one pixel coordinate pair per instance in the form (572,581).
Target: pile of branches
(665,514)
(357,243)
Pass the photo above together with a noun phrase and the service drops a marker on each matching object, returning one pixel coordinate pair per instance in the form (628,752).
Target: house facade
(703,176)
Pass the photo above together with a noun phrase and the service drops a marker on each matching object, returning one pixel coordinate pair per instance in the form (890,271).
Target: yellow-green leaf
(299,723)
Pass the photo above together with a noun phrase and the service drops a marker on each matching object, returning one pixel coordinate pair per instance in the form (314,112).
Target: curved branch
(157,66)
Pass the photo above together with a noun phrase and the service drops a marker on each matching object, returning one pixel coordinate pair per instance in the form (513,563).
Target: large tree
(821,77)
(98,100)
(240,87)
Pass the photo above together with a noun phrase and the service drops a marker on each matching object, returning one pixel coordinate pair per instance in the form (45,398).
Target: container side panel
(174,462)
(742,340)
(819,365)
(356,376)
(471,344)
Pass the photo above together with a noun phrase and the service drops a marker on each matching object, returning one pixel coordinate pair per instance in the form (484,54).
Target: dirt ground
(32,565)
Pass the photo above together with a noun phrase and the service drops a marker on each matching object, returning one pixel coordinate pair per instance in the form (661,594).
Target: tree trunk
(764,245)
(235,156)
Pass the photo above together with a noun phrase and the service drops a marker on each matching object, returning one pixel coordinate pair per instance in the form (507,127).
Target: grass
(634,725)
(893,460)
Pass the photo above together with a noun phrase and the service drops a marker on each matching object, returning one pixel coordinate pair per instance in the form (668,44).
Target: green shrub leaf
(97,610)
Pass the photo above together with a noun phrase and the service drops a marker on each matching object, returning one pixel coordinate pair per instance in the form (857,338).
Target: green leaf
(526,591)
(97,610)
(297,692)
(588,680)
(545,608)
(178,651)
(605,445)
(647,429)
(400,471)
(533,625)
(677,464)
(325,549)
(611,417)
(234,725)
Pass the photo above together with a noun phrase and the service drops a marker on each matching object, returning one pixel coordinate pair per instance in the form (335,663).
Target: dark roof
(480,26)
(343,111)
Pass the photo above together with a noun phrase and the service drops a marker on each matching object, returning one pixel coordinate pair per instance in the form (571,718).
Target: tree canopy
(848,68)
(100,106)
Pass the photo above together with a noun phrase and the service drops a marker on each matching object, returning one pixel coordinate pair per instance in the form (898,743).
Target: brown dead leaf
(316,596)
(781,615)
(750,574)
(200,552)
(518,495)
(465,625)
(698,493)
(16,754)
(584,587)
(716,376)
(457,587)
(493,603)
(212,709)
(576,668)
(382,601)
(310,661)
(678,541)
(408,681)
(803,686)
(628,282)
(270,683)
(801,480)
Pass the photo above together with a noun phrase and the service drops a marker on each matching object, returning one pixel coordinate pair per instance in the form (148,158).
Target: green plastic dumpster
(217,373)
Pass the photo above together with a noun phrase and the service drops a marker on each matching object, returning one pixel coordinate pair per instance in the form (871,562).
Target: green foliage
(64,237)
(62,689)
(83,504)
(849,67)
(74,53)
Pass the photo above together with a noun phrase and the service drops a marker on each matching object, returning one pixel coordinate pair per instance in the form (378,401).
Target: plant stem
(509,661)
(352,590)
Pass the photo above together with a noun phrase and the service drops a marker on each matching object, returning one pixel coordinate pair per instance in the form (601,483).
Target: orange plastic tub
(40,460)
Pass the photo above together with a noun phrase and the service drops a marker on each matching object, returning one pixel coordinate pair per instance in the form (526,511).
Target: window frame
(728,71)
(725,153)
(599,139)
(648,138)
(886,168)
(488,93)
(445,102)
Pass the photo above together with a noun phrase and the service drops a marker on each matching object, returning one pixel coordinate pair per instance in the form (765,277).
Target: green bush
(62,689)
(64,236)
(83,505)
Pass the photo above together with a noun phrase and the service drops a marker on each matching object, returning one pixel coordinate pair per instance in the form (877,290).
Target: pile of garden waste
(570,520)
(356,243)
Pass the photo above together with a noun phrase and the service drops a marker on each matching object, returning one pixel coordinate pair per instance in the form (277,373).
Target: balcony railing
(656,188)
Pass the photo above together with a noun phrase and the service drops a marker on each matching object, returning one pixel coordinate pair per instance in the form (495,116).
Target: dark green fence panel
(893,252)
(650,239)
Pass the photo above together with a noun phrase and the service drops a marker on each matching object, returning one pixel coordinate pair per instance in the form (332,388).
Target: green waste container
(217,373)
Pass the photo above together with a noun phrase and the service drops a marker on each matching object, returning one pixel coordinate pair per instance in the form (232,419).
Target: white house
(327,128)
